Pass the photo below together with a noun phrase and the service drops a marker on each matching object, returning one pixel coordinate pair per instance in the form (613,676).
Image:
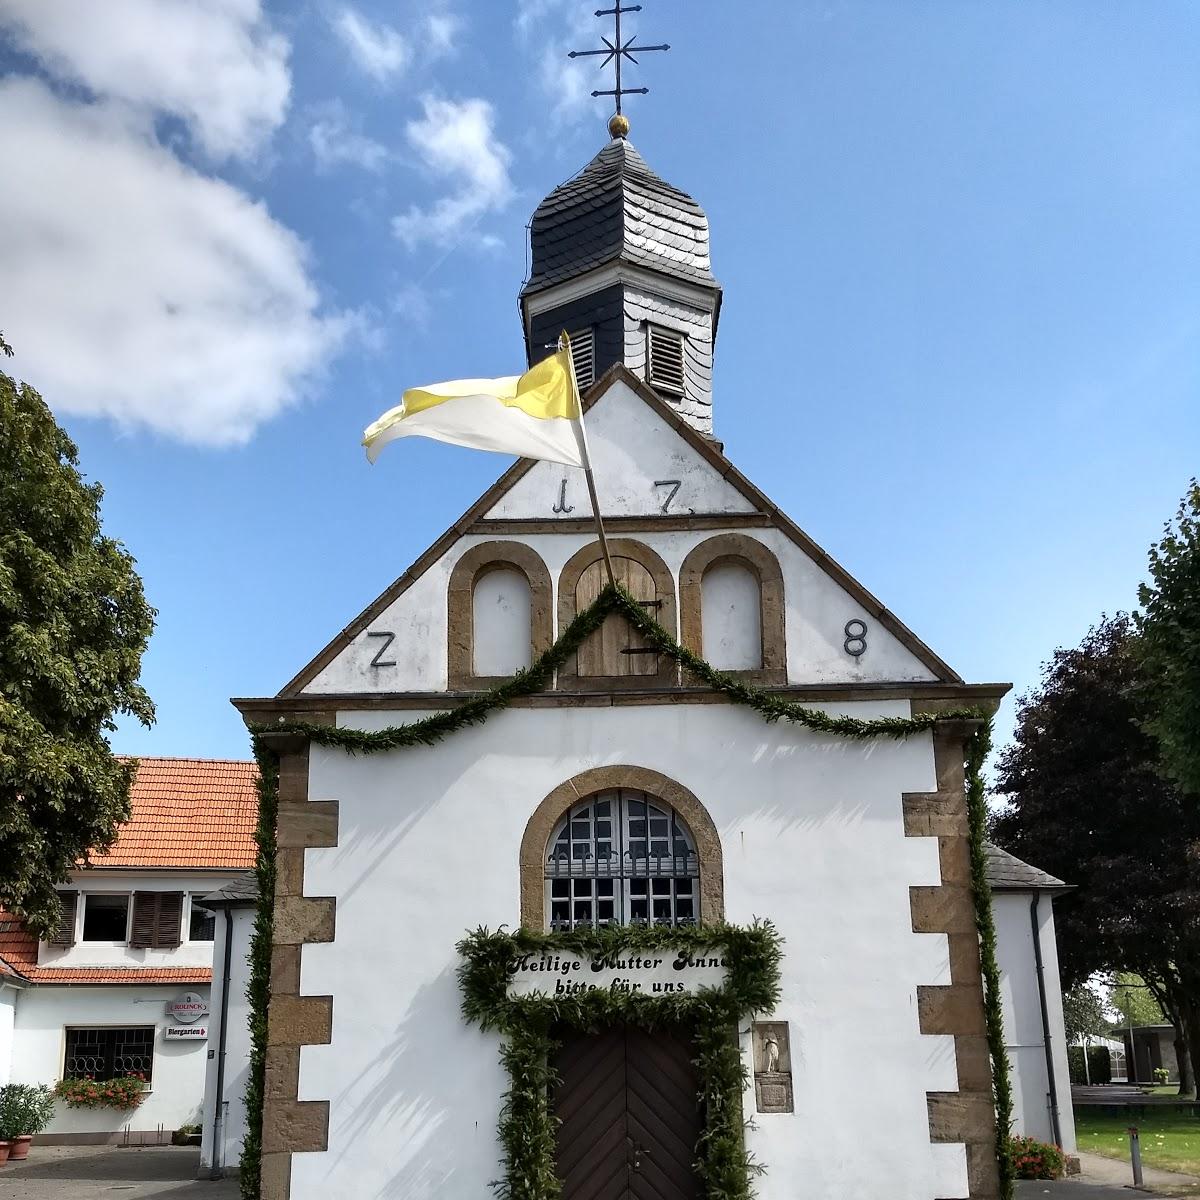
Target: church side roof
(618,208)
(1007,873)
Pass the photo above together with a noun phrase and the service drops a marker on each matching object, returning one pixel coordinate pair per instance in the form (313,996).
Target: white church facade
(626,793)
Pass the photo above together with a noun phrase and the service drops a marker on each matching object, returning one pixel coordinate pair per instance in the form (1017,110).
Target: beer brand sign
(188,1008)
(648,972)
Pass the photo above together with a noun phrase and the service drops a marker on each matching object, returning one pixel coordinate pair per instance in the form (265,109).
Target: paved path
(1095,1168)
(111,1173)
(1107,1179)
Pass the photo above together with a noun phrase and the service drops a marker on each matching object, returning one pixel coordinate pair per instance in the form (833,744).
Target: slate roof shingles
(1008,873)
(618,208)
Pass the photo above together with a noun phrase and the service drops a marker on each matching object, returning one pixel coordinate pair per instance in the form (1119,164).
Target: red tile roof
(186,813)
(19,954)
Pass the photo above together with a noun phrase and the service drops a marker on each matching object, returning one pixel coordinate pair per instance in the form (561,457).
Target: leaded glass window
(622,858)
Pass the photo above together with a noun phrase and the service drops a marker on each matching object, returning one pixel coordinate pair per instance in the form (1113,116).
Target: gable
(398,644)
(642,465)
(817,609)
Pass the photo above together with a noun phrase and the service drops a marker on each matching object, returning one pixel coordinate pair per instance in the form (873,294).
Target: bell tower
(620,260)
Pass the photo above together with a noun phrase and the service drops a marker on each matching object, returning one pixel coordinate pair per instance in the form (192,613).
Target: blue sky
(958,241)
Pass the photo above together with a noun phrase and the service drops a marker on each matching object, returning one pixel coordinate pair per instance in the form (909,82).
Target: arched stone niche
(536,839)
(600,662)
(739,550)
(474,565)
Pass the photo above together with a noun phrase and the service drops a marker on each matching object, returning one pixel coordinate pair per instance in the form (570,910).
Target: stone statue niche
(772,1067)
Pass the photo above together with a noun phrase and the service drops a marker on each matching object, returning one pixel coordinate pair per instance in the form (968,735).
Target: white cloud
(456,142)
(413,306)
(140,289)
(217,65)
(378,49)
(547,30)
(336,142)
(442,31)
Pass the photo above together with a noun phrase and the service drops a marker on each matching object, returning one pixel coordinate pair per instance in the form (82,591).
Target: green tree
(1083,1013)
(1088,802)
(74,624)
(1135,1000)
(1169,625)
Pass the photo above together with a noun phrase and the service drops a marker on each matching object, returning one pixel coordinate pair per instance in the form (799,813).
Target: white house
(626,792)
(123,985)
(1031,994)
(224,1126)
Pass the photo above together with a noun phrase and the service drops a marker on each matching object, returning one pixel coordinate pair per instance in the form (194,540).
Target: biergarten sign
(188,1011)
(648,972)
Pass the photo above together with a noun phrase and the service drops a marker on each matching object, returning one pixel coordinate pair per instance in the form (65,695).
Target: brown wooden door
(616,648)
(629,1112)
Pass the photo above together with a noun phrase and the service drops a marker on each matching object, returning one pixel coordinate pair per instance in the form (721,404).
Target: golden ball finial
(618,125)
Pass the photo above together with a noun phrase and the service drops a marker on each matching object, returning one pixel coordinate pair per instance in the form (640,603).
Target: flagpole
(564,343)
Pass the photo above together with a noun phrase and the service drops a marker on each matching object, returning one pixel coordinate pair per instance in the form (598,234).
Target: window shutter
(64,933)
(156,918)
(665,359)
(145,920)
(170,915)
(583,354)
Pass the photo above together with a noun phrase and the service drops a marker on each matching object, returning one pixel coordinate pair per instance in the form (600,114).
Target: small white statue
(770,1053)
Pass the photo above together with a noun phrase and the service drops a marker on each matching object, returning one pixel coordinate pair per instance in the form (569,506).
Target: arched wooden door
(629,1112)
(616,648)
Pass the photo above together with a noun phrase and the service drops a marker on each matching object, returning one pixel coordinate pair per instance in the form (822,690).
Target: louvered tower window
(664,359)
(622,858)
(583,354)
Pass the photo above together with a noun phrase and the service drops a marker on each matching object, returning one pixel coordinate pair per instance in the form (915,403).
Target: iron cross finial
(614,52)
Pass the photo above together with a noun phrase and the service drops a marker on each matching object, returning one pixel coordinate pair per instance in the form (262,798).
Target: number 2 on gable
(388,639)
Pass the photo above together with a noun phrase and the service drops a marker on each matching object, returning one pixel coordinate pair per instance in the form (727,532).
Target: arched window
(616,651)
(498,613)
(731,607)
(731,616)
(500,608)
(621,857)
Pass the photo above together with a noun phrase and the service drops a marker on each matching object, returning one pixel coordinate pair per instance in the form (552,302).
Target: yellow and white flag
(535,415)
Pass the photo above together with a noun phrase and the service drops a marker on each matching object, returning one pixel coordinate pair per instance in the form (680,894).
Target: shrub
(126,1091)
(1099,1064)
(1032,1159)
(1075,1065)
(24,1108)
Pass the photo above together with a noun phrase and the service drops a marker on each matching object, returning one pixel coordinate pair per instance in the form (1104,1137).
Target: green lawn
(1169,1140)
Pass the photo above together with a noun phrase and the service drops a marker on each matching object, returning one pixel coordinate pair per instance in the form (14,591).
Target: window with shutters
(105,917)
(64,931)
(664,359)
(616,655)
(583,355)
(157,920)
(622,857)
(616,648)
(109,1052)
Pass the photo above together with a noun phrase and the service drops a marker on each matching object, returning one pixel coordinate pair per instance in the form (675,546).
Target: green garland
(532,1025)
(977,752)
(258,989)
(539,677)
